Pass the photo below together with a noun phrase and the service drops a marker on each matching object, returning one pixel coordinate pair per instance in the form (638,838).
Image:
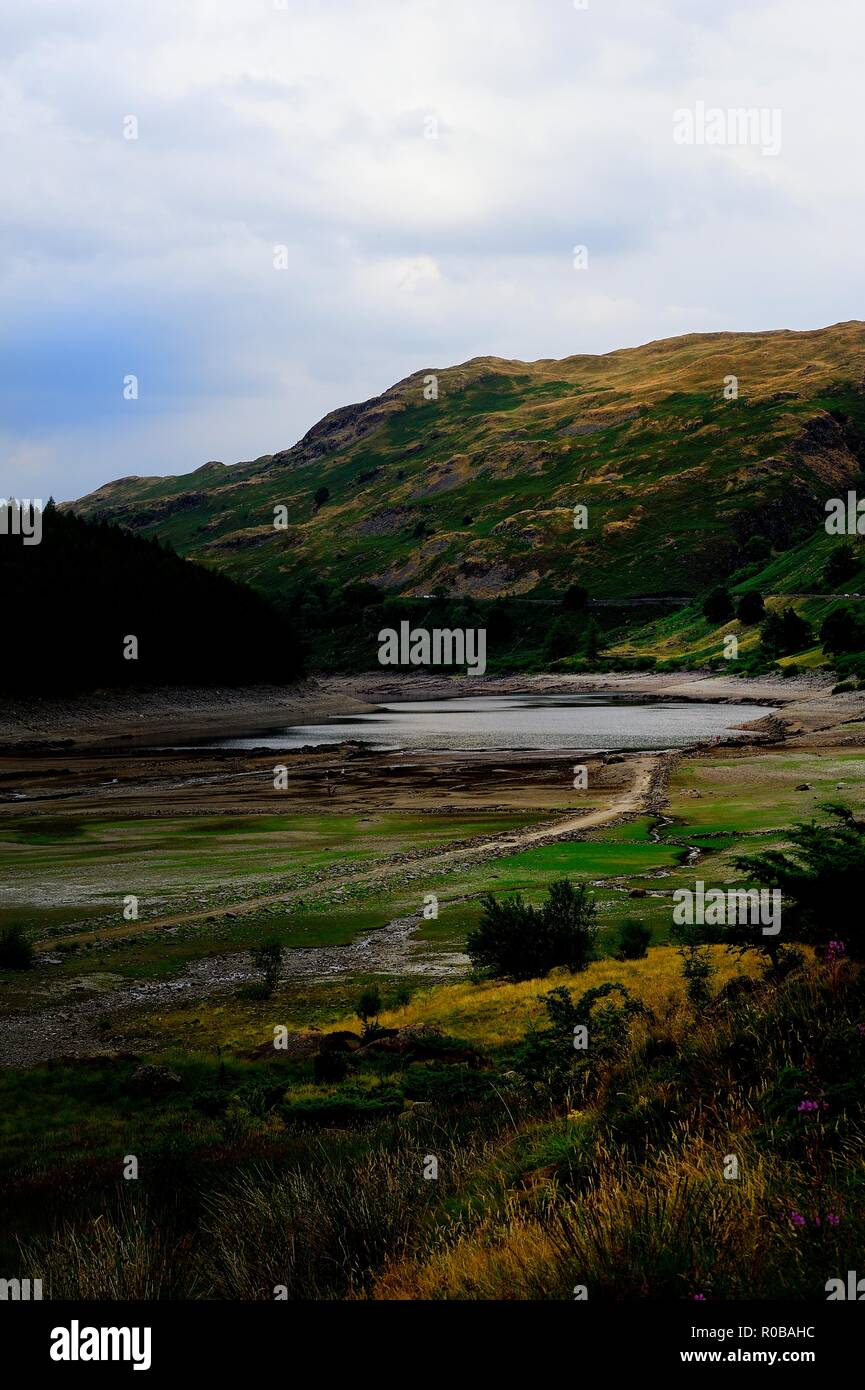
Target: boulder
(296,1045)
(739,985)
(150,1080)
(340,1041)
(421,1110)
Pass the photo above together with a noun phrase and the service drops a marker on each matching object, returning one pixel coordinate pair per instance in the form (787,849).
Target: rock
(614,758)
(539,1177)
(90,1059)
(739,985)
(151,1080)
(382,1045)
(340,1041)
(290,1048)
(420,1032)
(421,1110)
(637,893)
(804,787)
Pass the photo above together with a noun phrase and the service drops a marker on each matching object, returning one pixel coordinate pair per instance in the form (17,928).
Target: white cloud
(307,126)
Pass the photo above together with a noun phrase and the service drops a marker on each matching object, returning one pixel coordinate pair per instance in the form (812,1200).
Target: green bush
(634,939)
(784,633)
(718,605)
(267,958)
(697,969)
(518,942)
(16,949)
(751,608)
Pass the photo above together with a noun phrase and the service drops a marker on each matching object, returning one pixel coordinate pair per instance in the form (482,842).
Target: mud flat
(157,716)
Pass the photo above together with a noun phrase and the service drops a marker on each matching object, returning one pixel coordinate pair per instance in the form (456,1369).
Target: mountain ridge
(474,491)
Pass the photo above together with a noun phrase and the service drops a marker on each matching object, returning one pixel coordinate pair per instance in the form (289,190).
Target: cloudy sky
(428,167)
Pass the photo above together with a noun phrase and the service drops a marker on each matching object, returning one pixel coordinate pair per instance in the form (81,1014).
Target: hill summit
(468,477)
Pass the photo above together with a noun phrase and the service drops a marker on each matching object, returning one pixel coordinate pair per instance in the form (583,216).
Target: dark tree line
(72,601)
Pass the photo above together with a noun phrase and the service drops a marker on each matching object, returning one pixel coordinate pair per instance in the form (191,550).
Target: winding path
(68,1028)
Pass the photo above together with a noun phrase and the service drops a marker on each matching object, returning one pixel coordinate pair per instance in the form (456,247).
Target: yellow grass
(495,1014)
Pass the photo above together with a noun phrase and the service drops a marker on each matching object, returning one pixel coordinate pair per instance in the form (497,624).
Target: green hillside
(475,491)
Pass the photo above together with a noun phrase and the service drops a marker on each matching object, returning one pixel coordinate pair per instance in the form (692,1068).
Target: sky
(265,209)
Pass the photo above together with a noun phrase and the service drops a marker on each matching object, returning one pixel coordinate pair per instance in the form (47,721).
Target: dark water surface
(547,722)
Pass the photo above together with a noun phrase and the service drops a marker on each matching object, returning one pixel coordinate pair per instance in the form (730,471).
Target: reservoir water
(550,722)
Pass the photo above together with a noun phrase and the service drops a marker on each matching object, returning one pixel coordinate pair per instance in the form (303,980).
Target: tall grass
(632,1196)
(123,1254)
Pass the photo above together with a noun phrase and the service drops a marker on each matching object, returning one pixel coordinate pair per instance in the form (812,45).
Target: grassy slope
(718,804)
(685,637)
(673,475)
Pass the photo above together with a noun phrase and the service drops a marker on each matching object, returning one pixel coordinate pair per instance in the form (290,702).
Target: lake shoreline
(148,717)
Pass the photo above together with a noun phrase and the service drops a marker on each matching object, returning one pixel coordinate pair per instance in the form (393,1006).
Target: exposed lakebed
(551,722)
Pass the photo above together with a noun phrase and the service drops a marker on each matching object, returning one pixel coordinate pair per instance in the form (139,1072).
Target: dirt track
(29,1038)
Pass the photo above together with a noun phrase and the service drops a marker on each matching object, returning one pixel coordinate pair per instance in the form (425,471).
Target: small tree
(322,495)
(562,637)
(756,549)
(267,959)
(593,640)
(698,970)
(16,949)
(518,942)
(785,632)
(718,605)
(842,631)
(751,608)
(634,938)
(841,565)
(575,599)
(819,879)
(369,1006)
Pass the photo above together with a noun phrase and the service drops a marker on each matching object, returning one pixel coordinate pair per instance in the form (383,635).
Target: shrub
(697,969)
(634,938)
(518,942)
(826,865)
(267,958)
(841,565)
(549,1059)
(842,631)
(751,608)
(756,549)
(369,1005)
(785,632)
(330,1067)
(718,605)
(16,949)
(575,598)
